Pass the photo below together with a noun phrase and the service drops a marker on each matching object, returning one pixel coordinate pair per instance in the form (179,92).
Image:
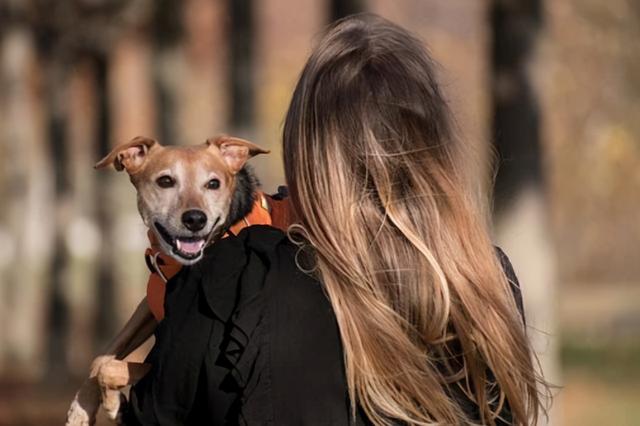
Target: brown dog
(188,197)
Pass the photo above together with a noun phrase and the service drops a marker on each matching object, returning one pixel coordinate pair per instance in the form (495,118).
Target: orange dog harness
(266,210)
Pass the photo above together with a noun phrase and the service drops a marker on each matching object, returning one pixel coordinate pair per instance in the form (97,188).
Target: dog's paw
(78,416)
(98,362)
(87,401)
(112,403)
(112,377)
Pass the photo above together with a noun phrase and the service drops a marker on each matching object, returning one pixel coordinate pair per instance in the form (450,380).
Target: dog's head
(184,193)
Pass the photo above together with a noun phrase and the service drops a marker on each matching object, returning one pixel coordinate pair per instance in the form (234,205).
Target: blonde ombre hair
(426,314)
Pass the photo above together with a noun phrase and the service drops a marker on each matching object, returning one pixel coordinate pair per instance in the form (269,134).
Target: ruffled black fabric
(245,334)
(208,346)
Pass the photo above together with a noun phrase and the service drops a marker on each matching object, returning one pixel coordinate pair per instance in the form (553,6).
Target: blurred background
(552,86)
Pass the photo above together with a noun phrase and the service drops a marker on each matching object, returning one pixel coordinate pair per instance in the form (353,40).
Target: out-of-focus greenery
(613,361)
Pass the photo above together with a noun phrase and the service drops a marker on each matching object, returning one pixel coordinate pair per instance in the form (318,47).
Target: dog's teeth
(189,247)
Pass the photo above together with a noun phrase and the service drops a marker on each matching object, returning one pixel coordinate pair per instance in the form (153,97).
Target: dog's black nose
(194,220)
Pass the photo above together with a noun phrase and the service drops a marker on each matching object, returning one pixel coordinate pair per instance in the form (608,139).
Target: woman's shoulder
(281,257)
(264,238)
(259,262)
(289,286)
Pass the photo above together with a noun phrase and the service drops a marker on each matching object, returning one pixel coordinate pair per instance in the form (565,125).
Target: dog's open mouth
(186,247)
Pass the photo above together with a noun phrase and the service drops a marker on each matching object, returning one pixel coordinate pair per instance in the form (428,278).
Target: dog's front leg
(135,332)
(87,400)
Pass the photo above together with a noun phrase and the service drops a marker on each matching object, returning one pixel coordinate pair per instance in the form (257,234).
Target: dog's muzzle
(186,247)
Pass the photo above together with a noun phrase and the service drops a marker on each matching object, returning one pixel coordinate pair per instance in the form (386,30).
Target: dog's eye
(165,181)
(213,184)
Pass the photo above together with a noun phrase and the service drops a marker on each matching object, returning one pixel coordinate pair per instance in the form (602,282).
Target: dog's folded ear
(235,151)
(129,156)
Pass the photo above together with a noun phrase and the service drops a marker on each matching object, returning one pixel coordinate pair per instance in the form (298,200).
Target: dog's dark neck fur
(244,195)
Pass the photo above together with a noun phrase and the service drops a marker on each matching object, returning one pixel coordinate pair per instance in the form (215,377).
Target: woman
(392,306)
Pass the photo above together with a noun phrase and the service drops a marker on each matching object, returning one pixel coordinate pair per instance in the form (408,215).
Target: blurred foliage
(588,71)
(611,360)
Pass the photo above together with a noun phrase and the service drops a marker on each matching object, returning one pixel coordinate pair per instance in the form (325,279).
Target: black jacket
(247,338)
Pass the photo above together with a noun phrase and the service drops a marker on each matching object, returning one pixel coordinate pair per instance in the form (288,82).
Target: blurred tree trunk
(132,112)
(30,207)
(341,8)
(522,231)
(80,231)
(240,37)
(521,202)
(282,44)
(7,237)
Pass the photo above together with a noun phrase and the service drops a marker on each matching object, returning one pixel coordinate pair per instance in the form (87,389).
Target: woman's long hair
(426,314)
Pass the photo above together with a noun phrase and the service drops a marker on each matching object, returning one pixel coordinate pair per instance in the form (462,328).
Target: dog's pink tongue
(190,247)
